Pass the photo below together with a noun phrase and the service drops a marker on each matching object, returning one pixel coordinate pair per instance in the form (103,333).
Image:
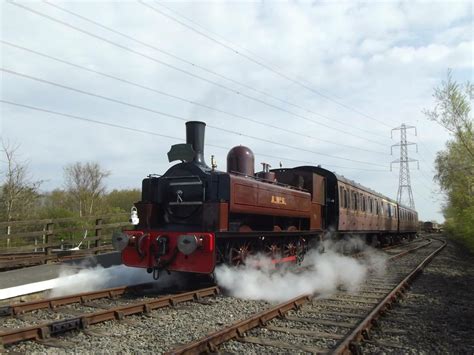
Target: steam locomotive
(195,217)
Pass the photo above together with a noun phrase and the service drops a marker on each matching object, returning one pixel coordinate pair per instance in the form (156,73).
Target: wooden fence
(37,241)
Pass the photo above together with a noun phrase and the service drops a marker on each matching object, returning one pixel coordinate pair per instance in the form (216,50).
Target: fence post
(98,234)
(8,230)
(48,239)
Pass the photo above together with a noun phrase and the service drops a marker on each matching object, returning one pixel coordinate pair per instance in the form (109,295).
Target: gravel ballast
(436,315)
(157,332)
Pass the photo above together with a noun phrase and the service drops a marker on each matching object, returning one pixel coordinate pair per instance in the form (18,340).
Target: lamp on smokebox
(134,216)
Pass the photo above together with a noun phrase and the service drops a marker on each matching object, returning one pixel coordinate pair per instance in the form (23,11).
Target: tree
(122,200)
(56,204)
(18,192)
(452,111)
(85,183)
(455,164)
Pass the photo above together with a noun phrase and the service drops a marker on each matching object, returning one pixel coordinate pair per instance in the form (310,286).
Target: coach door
(318,203)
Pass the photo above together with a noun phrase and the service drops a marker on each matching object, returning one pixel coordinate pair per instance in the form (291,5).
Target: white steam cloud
(322,273)
(91,279)
(98,278)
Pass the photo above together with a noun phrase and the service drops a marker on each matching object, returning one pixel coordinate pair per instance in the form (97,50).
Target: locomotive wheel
(238,253)
(290,249)
(300,250)
(273,251)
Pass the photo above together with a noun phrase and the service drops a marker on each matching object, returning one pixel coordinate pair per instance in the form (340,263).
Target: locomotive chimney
(195,136)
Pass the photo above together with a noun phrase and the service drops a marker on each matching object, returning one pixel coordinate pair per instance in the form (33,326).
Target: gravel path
(436,316)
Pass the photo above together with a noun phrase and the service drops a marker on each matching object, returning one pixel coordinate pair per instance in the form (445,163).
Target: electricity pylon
(404,179)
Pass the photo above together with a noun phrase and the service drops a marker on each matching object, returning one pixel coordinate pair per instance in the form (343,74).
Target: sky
(301,83)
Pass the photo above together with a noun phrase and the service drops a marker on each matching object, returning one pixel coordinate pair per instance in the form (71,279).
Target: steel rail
(48,329)
(349,344)
(210,342)
(52,303)
(237,330)
(400,244)
(405,252)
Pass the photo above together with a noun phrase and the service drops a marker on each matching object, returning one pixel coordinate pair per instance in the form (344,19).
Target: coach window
(341,195)
(389,210)
(346,198)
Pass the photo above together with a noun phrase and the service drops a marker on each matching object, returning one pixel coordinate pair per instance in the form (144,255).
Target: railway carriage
(194,217)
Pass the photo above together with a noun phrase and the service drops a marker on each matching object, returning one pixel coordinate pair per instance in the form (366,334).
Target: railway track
(54,303)
(74,315)
(307,324)
(84,315)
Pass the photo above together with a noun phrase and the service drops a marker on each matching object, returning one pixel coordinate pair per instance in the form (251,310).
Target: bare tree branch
(18,191)
(85,182)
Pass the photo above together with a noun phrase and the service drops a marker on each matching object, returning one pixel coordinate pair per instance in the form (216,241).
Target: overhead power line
(210,71)
(144,87)
(143,108)
(189,73)
(263,65)
(137,130)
